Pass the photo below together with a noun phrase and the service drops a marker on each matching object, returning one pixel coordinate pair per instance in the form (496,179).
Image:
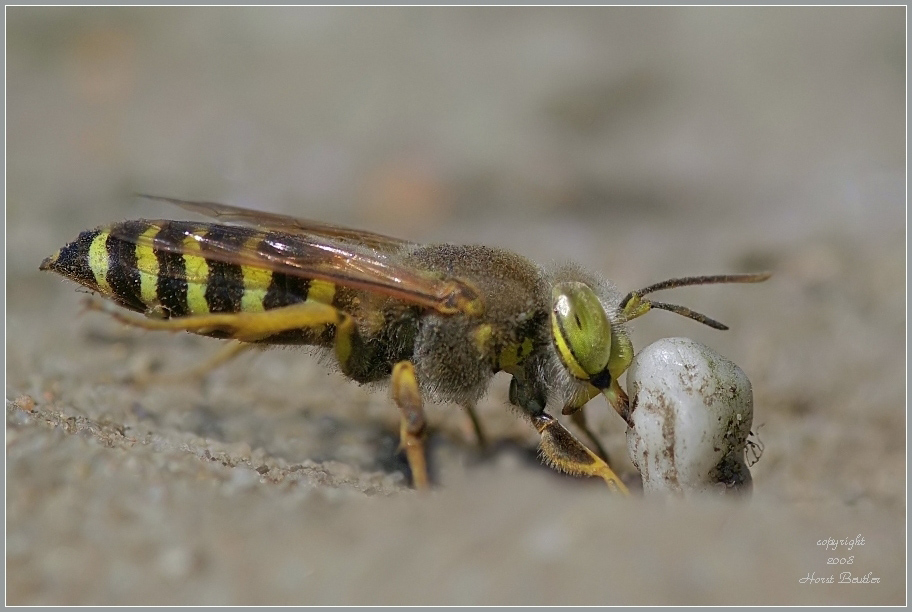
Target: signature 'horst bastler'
(844,578)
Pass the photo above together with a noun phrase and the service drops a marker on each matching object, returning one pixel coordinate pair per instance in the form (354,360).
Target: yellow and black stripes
(193,272)
(225,288)
(114,264)
(171,287)
(172,269)
(283,289)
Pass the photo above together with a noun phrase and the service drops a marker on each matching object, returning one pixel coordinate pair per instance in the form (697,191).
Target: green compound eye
(581,331)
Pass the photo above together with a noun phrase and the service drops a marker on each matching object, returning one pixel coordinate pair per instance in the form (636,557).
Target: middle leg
(412,429)
(480,437)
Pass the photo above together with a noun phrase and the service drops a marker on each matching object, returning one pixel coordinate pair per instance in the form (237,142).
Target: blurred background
(644,143)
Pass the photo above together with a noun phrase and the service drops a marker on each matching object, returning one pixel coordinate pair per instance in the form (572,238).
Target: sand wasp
(437,320)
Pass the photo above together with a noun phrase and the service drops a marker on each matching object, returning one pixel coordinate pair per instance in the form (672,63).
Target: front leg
(565,453)
(561,450)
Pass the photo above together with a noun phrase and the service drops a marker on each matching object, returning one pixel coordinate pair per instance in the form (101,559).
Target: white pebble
(691,413)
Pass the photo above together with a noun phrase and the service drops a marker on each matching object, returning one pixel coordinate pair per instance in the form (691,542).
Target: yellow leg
(244,326)
(412,429)
(565,453)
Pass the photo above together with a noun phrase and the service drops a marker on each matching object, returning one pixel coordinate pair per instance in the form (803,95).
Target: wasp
(438,321)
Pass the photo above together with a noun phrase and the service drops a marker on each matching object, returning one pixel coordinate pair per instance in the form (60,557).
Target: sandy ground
(643,143)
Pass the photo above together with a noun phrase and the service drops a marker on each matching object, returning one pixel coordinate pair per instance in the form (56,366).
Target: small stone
(691,415)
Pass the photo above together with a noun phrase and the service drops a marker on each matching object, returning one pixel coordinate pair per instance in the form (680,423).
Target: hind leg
(348,344)
(243,326)
(226,354)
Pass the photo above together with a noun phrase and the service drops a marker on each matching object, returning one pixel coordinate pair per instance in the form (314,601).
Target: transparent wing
(225,213)
(338,259)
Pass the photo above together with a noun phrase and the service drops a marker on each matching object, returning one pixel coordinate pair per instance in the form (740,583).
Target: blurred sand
(644,143)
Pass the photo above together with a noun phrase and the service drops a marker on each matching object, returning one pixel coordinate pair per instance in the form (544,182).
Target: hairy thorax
(456,355)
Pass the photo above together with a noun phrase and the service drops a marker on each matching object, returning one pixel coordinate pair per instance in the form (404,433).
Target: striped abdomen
(134,264)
